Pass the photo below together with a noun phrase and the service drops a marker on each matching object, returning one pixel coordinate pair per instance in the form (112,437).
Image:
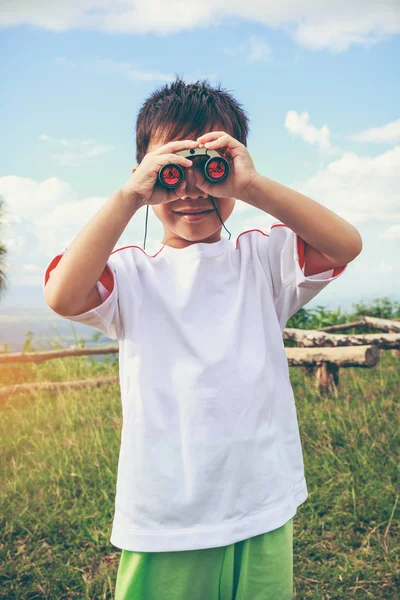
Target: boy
(210,471)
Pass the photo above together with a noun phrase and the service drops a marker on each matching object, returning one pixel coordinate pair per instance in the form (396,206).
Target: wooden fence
(318,352)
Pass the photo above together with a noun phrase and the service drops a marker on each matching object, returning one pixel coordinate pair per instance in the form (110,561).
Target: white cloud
(391,233)
(129,71)
(384,268)
(76,159)
(43,217)
(26,198)
(253,50)
(340,24)
(31,268)
(298,124)
(385,134)
(64,221)
(259,49)
(14,243)
(317,24)
(360,189)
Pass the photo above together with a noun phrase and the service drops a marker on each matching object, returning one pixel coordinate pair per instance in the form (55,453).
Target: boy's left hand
(242,171)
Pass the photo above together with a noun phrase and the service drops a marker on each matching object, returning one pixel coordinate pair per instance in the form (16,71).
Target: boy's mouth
(192,212)
(193,216)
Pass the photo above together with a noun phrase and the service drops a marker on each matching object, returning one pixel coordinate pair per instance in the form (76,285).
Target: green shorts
(259,568)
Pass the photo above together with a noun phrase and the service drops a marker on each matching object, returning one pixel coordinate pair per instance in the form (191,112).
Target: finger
(212,135)
(221,142)
(164,159)
(175,146)
(226,146)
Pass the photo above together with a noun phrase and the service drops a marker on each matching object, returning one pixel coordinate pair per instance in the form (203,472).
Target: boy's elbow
(357,244)
(352,247)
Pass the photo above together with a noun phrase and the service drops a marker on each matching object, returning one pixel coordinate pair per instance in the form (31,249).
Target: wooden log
(389,325)
(307,338)
(311,338)
(327,377)
(39,357)
(55,387)
(344,356)
(359,356)
(325,362)
(341,326)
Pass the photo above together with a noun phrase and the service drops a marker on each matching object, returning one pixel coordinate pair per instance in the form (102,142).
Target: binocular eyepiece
(215,169)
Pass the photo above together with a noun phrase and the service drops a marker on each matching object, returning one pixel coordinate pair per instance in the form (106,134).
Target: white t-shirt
(210,449)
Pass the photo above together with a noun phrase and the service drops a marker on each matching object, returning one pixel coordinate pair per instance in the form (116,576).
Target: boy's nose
(191,190)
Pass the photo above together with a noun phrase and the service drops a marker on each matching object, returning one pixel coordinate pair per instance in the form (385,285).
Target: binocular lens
(171,175)
(216,169)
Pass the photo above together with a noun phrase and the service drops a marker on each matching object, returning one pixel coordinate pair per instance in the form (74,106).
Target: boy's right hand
(143,186)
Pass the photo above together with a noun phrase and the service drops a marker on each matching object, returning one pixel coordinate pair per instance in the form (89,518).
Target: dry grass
(59,464)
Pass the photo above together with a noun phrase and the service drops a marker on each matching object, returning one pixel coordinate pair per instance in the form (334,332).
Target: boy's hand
(141,186)
(242,170)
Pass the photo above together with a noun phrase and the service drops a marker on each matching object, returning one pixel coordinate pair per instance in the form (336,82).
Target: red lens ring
(170,175)
(217,169)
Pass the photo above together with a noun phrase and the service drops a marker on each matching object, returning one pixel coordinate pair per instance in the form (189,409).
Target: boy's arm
(330,240)
(71,289)
(92,301)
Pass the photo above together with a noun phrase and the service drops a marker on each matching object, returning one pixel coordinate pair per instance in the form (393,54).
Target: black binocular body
(215,169)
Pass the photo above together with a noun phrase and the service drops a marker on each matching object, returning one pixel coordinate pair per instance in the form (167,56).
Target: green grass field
(59,465)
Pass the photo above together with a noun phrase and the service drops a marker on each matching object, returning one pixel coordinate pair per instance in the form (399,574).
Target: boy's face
(178,232)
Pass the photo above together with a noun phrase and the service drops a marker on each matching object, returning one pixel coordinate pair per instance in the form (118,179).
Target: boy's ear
(134,168)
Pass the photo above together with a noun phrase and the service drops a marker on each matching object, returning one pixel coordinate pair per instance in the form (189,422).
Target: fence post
(327,376)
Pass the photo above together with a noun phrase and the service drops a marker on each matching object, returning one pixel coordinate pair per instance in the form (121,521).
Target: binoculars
(215,169)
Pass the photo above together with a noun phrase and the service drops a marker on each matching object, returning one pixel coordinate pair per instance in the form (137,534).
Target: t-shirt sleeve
(107,316)
(282,255)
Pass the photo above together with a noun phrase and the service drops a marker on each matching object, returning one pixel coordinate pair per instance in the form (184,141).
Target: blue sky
(318,79)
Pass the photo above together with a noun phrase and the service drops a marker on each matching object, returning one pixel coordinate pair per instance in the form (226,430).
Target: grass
(59,462)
